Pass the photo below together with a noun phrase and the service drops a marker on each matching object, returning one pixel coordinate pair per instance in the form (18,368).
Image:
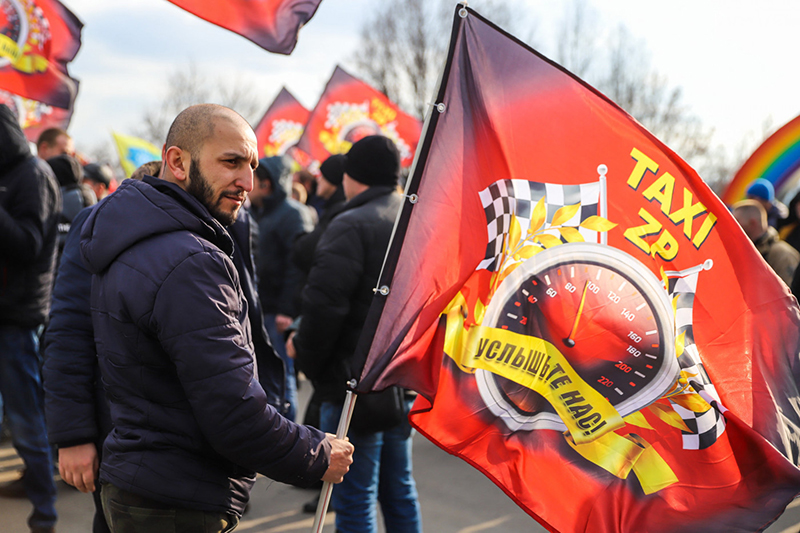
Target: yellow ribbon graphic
(20,59)
(538,365)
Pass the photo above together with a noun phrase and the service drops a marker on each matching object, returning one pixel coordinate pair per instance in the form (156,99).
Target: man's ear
(178,162)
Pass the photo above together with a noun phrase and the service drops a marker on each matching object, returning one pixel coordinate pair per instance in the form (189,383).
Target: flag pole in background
(341,432)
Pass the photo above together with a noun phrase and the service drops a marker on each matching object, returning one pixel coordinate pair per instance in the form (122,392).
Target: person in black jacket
(74,194)
(191,423)
(336,301)
(29,205)
(330,190)
(281,220)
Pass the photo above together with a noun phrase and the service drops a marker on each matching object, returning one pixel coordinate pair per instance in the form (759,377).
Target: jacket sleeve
(327,297)
(22,230)
(198,318)
(70,358)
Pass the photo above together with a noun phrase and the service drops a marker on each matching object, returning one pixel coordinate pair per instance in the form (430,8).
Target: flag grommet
(383,291)
(412,198)
(462,12)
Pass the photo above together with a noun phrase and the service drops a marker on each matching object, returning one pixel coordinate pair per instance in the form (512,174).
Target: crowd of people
(151,337)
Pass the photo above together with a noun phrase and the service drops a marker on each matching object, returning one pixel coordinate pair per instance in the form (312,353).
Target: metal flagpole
(327,487)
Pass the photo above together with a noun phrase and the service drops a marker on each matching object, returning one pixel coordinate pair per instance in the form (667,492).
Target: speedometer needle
(569,341)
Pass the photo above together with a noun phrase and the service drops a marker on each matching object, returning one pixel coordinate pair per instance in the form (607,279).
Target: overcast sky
(734,59)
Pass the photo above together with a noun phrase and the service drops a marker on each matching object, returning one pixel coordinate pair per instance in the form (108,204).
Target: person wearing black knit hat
(372,161)
(335,304)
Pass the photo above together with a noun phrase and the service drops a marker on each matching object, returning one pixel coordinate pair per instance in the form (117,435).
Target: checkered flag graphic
(516,197)
(705,428)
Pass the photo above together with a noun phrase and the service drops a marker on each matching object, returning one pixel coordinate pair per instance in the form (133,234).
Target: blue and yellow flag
(134,152)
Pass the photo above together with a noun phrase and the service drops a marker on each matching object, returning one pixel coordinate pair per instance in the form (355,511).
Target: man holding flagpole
(192,424)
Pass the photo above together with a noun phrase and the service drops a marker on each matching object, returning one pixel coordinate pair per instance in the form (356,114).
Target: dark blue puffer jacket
(191,422)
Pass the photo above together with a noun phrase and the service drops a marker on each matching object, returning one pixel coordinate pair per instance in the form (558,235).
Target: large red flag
(35,117)
(281,126)
(349,110)
(37,40)
(271,24)
(586,323)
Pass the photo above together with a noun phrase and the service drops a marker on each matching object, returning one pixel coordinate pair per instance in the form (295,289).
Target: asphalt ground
(454,497)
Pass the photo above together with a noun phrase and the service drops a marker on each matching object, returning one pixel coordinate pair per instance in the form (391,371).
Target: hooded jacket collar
(139,210)
(13,144)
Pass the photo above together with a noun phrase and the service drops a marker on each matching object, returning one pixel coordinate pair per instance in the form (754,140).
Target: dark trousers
(130,513)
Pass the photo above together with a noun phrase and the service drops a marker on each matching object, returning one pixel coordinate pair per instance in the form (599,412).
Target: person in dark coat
(74,194)
(30,202)
(330,190)
(336,301)
(281,220)
(191,423)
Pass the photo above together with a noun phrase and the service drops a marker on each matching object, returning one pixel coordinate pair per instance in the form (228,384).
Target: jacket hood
(276,171)
(13,145)
(139,210)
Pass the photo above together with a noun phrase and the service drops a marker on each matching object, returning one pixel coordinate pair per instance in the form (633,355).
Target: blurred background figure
(98,178)
(30,203)
(763,192)
(780,256)
(53,142)
(281,220)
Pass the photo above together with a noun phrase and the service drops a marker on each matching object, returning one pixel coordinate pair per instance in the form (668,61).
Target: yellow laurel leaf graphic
(596,223)
(680,344)
(528,251)
(514,234)
(508,270)
(480,311)
(548,241)
(692,402)
(668,416)
(565,213)
(637,419)
(571,234)
(538,217)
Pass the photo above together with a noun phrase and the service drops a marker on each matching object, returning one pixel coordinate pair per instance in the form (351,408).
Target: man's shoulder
(375,208)
(30,168)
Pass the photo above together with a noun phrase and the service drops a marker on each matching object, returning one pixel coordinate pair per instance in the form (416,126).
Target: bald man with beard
(192,425)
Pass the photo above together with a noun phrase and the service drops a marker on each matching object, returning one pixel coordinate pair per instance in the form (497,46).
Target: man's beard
(199,187)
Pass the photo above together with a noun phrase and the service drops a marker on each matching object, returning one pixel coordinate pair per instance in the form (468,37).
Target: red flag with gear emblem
(584,320)
(281,126)
(349,110)
(271,24)
(37,40)
(35,117)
